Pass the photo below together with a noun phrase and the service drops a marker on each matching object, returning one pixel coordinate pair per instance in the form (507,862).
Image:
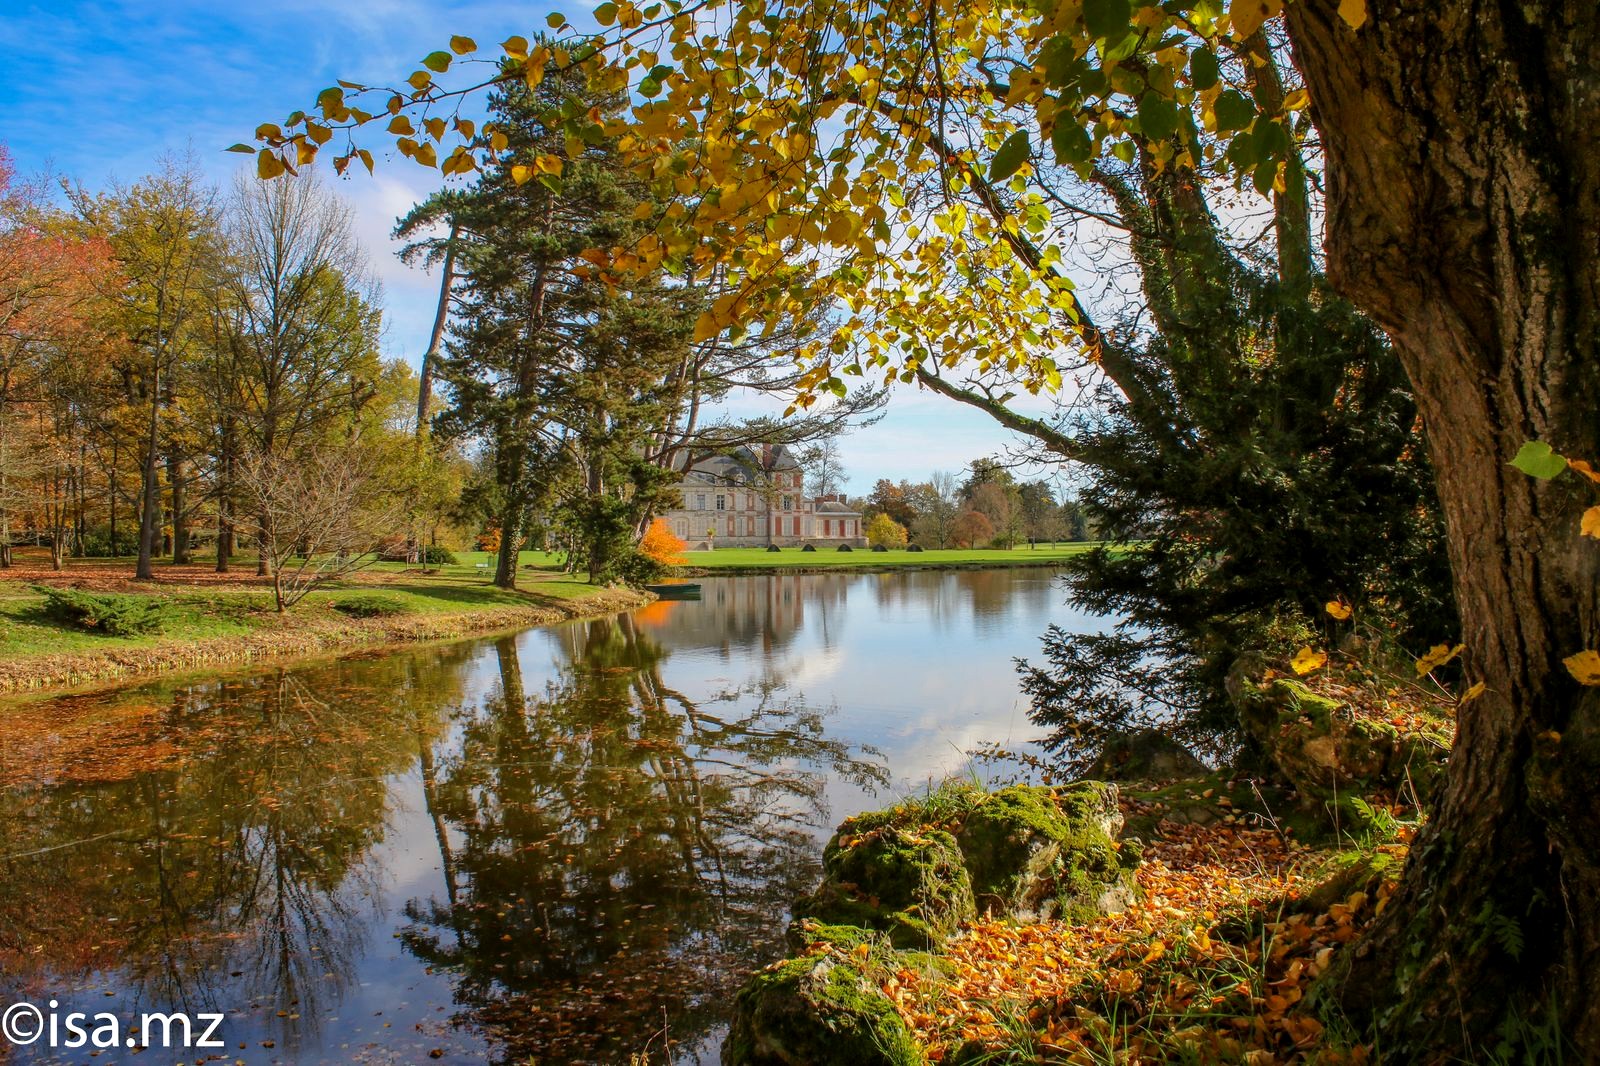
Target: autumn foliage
(971,529)
(886,531)
(661,544)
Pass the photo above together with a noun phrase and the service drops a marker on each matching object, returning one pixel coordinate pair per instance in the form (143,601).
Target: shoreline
(307,639)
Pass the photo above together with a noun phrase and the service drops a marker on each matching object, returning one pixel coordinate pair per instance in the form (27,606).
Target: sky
(98,90)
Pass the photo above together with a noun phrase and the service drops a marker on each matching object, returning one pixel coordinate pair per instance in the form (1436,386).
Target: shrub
(635,567)
(368,605)
(661,544)
(113,614)
(433,555)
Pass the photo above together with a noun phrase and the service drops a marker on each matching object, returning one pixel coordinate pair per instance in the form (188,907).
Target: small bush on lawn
(113,614)
(368,606)
(433,555)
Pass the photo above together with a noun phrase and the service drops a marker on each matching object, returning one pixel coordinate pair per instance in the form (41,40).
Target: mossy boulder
(1329,750)
(907,881)
(820,1009)
(1048,852)
(1145,755)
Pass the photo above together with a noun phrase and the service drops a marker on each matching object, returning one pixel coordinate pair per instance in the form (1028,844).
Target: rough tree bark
(1463,147)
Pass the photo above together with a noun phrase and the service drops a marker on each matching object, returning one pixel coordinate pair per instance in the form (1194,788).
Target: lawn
(205,605)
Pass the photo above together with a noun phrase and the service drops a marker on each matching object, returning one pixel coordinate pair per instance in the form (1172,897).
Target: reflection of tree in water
(952,598)
(624,855)
(234,868)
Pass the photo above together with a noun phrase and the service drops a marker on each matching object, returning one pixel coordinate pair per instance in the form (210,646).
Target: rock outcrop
(906,878)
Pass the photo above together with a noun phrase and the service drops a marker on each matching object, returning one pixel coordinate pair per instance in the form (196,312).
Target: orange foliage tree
(661,544)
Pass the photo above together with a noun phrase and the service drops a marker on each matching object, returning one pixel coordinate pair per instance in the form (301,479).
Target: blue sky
(96,90)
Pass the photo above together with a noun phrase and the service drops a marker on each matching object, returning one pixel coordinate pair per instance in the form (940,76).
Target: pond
(566,845)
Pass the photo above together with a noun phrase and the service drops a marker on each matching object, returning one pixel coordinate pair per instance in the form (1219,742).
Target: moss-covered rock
(821,1009)
(1145,755)
(1328,750)
(1041,852)
(909,882)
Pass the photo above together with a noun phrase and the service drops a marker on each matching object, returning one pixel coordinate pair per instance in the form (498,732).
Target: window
(788,503)
(681,527)
(700,501)
(722,503)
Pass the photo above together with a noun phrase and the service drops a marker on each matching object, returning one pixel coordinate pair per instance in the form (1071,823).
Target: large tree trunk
(1463,144)
(150,510)
(180,519)
(441,316)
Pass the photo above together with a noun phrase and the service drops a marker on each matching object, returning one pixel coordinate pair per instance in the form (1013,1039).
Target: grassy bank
(217,620)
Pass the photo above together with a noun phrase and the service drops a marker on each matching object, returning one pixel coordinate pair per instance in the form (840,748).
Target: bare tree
(323,512)
(936,509)
(304,313)
(824,467)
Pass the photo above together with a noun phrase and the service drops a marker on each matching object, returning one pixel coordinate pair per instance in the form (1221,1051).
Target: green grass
(199,613)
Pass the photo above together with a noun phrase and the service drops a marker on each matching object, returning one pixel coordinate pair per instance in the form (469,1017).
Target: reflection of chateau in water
(766,613)
(758,613)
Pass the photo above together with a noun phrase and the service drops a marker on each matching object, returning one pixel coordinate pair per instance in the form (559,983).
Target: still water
(566,845)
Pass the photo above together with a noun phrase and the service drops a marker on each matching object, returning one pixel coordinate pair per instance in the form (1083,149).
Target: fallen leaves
(1308,659)
(1206,965)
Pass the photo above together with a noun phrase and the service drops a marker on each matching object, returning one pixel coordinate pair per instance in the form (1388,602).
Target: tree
(55,359)
(324,511)
(937,507)
(823,467)
(885,531)
(1460,231)
(1040,517)
(896,501)
(971,529)
(300,320)
(162,234)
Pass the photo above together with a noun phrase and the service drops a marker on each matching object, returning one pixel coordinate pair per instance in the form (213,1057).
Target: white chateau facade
(755,498)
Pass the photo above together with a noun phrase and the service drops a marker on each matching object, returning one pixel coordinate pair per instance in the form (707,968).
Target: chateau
(754,498)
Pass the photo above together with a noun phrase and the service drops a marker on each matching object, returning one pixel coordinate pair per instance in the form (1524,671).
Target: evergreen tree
(560,373)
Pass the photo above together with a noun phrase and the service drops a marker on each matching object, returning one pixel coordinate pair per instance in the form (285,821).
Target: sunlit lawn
(205,605)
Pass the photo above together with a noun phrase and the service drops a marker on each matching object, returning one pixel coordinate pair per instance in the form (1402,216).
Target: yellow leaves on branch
(1338,610)
(1308,659)
(1437,656)
(1585,666)
(1247,16)
(1354,12)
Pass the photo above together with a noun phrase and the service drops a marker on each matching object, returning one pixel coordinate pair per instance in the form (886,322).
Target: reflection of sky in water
(296,800)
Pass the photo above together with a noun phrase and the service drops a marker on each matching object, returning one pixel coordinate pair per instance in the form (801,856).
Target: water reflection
(622,848)
(568,845)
